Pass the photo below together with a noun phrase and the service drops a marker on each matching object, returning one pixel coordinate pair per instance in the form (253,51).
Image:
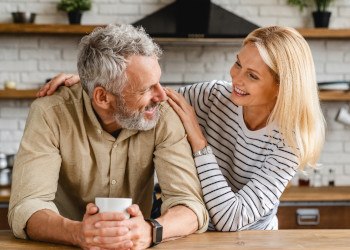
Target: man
(105,139)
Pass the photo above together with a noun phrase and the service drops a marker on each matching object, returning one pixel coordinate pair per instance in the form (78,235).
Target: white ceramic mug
(113,205)
(343,116)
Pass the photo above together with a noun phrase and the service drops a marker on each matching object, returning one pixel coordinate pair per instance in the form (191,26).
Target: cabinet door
(314,217)
(3,216)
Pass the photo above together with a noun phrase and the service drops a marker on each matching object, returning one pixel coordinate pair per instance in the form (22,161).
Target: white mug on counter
(106,204)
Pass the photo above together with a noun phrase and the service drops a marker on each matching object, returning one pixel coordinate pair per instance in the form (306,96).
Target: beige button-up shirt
(66,159)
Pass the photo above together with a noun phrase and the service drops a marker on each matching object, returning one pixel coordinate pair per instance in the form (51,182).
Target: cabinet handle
(308,216)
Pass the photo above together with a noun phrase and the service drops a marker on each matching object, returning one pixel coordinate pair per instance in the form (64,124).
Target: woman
(250,136)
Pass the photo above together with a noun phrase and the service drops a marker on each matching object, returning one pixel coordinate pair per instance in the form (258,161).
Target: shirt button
(113,182)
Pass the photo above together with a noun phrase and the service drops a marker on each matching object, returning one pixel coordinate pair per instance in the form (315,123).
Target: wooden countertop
(316,194)
(244,240)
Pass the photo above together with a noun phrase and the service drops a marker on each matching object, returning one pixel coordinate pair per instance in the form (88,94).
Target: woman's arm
(189,119)
(257,199)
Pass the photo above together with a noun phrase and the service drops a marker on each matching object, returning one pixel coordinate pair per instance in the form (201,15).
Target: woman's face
(252,81)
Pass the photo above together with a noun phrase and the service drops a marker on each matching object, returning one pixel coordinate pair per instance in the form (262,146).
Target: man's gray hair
(103,55)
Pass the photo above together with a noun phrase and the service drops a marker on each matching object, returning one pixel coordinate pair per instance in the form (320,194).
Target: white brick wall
(30,59)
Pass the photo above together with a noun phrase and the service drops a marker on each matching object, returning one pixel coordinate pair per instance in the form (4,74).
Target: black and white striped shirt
(244,179)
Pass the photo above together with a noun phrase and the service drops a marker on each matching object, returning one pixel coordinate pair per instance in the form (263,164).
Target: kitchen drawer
(3,216)
(314,215)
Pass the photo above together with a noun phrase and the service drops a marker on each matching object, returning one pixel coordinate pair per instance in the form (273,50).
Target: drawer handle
(308,216)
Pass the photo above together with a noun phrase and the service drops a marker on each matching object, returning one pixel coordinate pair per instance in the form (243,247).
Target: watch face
(158,233)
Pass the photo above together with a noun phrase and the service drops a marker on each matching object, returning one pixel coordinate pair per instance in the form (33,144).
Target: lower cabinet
(314,215)
(3,216)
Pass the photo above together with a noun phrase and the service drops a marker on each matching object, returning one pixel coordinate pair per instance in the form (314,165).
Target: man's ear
(101,98)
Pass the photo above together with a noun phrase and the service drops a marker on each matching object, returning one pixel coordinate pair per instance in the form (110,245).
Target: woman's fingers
(178,99)
(177,108)
(73,79)
(60,79)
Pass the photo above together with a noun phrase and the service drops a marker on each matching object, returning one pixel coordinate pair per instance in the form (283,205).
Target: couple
(244,141)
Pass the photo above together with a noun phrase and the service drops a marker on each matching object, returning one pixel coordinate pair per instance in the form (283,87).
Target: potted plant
(321,16)
(74,8)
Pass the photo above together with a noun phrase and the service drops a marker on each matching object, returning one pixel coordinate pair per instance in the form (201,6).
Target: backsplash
(30,59)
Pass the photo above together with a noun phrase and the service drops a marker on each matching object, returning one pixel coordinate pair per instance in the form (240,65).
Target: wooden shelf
(31,94)
(68,29)
(18,94)
(322,33)
(334,95)
(5,194)
(47,29)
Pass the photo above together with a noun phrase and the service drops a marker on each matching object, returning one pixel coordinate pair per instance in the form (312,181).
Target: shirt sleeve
(175,168)
(235,211)
(35,172)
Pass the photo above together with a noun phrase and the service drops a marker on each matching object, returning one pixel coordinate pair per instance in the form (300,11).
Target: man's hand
(103,230)
(140,229)
(114,231)
(58,80)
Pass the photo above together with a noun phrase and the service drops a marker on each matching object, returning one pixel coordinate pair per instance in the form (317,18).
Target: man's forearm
(178,221)
(46,225)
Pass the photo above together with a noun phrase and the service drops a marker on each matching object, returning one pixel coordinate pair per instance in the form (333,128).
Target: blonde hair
(297,111)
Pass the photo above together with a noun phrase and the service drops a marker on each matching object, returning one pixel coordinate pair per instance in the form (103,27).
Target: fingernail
(97,224)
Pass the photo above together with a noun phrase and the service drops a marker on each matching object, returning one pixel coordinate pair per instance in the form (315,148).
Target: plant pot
(321,19)
(23,17)
(74,17)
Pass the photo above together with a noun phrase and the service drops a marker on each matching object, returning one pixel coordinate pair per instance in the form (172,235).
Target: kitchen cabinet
(315,208)
(4,202)
(3,216)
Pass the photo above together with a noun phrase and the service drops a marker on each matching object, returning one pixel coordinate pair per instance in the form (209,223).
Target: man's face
(138,105)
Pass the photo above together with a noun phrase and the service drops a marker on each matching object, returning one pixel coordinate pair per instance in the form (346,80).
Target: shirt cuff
(205,160)
(22,213)
(197,207)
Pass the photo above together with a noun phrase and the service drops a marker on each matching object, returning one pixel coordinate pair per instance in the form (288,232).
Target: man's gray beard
(135,120)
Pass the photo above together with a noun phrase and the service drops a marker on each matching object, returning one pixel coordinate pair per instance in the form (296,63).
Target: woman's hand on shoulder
(188,117)
(58,80)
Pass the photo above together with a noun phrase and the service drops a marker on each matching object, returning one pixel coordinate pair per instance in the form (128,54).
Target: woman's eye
(237,64)
(252,76)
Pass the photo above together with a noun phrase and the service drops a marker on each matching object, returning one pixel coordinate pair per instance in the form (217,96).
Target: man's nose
(159,94)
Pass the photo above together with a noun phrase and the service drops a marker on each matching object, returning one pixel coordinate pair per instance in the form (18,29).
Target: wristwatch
(157,231)
(204,151)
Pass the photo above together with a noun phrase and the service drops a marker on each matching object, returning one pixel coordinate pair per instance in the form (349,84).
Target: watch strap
(157,231)
(204,151)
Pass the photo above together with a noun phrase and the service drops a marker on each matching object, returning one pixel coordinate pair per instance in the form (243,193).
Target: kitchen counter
(245,240)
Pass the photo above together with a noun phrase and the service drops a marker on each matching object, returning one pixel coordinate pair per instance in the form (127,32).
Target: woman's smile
(239,92)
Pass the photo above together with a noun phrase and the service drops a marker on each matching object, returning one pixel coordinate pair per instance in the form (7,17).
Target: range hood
(195,19)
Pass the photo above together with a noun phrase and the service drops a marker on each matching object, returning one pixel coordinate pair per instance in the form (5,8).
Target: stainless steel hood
(195,19)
